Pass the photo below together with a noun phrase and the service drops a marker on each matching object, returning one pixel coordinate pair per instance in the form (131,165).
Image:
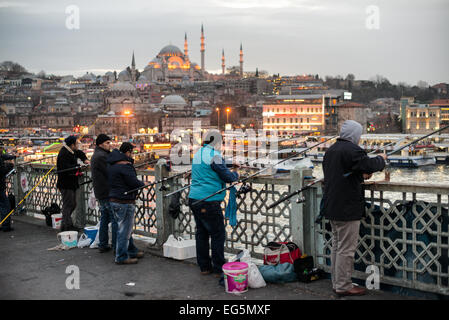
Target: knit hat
(126,146)
(102,138)
(70,140)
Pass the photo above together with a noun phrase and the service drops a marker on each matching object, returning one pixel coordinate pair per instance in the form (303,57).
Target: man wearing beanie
(344,201)
(123,178)
(99,170)
(68,181)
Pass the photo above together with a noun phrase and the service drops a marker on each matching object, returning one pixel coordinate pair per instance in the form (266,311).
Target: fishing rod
(13,171)
(145,163)
(262,170)
(156,182)
(37,160)
(317,181)
(407,145)
(85,182)
(71,169)
(247,162)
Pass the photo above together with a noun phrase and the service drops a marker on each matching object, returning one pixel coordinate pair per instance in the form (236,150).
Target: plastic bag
(84,241)
(179,248)
(281,273)
(95,243)
(255,279)
(92,202)
(242,256)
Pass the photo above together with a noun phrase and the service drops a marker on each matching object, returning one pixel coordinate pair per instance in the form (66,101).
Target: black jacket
(343,198)
(67,160)
(99,170)
(5,168)
(122,176)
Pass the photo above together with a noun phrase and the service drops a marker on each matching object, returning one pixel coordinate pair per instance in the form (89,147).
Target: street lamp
(227,114)
(218,117)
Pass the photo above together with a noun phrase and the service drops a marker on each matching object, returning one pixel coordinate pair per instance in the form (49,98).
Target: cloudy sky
(407,41)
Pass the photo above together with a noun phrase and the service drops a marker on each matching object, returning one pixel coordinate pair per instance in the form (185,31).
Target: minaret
(222,61)
(133,69)
(186,51)
(241,61)
(202,50)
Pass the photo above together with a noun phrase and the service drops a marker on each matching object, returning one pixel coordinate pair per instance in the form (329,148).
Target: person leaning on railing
(5,167)
(209,175)
(344,201)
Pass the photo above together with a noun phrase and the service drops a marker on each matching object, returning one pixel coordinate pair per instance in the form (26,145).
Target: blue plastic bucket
(91,233)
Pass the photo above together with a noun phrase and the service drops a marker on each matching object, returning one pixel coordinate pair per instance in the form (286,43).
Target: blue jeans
(124,215)
(4,210)
(209,222)
(106,217)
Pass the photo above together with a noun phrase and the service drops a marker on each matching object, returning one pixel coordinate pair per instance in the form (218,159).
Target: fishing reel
(245,188)
(300,200)
(164,187)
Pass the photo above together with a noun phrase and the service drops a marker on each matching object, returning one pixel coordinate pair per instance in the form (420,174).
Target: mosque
(173,65)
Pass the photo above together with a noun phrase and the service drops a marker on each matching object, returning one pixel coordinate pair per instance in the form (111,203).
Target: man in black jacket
(344,201)
(123,178)
(99,170)
(5,167)
(68,180)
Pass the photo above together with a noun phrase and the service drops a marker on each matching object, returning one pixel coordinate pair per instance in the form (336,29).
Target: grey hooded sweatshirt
(352,131)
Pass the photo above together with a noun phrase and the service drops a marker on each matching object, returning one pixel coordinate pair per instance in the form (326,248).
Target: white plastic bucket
(56,220)
(68,238)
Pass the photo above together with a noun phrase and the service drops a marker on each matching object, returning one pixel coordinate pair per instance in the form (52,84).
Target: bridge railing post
(165,223)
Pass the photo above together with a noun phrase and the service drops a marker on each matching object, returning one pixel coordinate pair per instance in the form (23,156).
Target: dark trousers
(4,210)
(209,223)
(68,206)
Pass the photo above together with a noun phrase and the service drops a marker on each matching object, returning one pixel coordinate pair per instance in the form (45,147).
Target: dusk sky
(325,37)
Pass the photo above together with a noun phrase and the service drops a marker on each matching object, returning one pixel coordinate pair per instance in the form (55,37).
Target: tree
(350,77)
(12,68)
(41,74)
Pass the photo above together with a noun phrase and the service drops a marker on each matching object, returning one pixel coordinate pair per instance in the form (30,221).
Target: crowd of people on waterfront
(113,176)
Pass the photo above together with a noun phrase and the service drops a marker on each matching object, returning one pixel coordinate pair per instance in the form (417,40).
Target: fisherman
(99,170)
(122,178)
(344,203)
(6,165)
(68,183)
(209,175)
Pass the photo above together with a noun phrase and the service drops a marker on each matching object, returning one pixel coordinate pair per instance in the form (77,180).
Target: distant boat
(274,159)
(411,161)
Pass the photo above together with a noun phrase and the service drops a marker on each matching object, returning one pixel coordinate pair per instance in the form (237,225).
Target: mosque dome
(122,86)
(170,50)
(173,100)
(124,76)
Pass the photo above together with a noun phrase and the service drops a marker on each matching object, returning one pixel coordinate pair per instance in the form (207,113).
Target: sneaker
(140,254)
(128,261)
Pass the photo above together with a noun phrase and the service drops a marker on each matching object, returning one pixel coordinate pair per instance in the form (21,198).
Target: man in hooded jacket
(344,201)
(122,178)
